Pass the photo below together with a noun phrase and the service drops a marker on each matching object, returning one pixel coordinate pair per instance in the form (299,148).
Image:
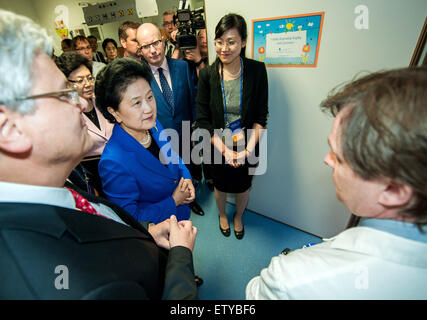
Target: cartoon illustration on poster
(291,41)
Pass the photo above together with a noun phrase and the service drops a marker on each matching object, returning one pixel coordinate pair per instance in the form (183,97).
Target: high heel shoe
(239,234)
(225,232)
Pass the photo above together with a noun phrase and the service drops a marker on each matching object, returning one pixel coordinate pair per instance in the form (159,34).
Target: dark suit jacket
(183,95)
(209,101)
(104,259)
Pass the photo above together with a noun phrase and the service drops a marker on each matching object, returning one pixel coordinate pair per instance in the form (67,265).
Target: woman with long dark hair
(233,94)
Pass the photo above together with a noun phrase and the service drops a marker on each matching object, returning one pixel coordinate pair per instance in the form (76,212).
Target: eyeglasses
(84,48)
(69,95)
(220,44)
(154,44)
(168,23)
(88,78)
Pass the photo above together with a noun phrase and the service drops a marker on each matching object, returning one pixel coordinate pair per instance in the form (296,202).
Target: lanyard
(223,90)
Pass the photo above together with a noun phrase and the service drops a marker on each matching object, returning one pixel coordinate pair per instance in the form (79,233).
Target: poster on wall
(291,41)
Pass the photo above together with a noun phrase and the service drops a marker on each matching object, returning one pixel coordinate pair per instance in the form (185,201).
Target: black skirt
(229,179)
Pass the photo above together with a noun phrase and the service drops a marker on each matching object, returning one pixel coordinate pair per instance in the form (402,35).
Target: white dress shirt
(166,72)
(363,262)
(96,67)
(61,197)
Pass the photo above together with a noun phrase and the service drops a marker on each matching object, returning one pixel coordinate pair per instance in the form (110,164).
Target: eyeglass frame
(226,43)
(81,81)
(154,44)
(168,23)
(75,100)
(85,48)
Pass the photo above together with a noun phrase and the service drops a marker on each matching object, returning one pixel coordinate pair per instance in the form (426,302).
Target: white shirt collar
(164,66)
(23,193)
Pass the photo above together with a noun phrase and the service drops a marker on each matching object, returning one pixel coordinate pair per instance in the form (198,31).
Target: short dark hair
(107,41)
(68,42)
(231,21)
(79,38)
(385,130)
(70,61)
(113,80)
(126,25)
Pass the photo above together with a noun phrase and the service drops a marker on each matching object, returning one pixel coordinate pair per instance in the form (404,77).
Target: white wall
(23,7)
(297,188)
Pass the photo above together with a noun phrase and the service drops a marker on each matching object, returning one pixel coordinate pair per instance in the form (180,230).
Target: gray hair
(21,40)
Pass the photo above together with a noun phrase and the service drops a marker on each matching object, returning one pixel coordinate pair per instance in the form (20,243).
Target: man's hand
(160,233)
(182,233)
(193,55)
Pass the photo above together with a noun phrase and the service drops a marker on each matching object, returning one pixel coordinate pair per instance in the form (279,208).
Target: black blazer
(209,101)
(104,259)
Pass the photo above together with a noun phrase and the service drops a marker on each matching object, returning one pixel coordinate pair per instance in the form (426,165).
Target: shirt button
(176,182)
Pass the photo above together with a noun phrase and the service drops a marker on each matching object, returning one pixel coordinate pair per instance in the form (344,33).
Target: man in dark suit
(56,243)
(173,88)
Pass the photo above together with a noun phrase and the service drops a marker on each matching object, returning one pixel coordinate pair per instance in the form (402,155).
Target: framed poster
(291,41)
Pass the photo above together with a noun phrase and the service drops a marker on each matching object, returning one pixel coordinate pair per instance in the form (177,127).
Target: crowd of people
(86,171)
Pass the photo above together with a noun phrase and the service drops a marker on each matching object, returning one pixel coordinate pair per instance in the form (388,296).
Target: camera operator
(198,57)
(170,30)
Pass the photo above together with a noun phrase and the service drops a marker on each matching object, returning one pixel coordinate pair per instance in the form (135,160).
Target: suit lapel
(245,92)
(84,227)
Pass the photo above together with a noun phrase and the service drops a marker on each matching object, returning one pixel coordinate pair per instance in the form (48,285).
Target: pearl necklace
(147,140)
(233,75)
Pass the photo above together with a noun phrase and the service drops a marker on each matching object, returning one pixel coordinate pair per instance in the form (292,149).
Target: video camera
(188,22)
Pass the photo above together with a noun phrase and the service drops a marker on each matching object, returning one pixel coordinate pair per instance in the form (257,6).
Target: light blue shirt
(401,229)
(61,197)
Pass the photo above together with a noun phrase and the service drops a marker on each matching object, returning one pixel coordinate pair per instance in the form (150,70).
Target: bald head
(152,46)
(148,28)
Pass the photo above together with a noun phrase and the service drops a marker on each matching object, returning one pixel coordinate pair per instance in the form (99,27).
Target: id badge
(236,129)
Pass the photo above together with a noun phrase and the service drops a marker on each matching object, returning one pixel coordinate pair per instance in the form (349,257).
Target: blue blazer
(183,96)
(137,181)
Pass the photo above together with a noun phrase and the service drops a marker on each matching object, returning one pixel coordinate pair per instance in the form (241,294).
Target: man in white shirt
(378,156)
(44,226)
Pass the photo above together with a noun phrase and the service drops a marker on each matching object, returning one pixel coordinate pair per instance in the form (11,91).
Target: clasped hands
(184,193)
(234,158)
(171,233)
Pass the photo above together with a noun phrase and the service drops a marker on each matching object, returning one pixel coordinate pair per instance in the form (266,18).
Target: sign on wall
(291,41)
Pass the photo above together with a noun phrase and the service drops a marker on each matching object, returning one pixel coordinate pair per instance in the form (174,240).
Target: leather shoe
(225,232)
(194,206)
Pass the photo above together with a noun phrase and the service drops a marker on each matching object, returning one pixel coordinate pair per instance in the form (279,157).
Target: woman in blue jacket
(139,169)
